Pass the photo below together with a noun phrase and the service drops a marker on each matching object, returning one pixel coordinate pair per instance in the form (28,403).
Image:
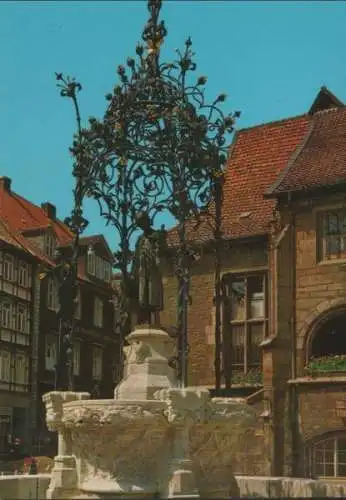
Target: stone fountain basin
(122,446)
(118,445)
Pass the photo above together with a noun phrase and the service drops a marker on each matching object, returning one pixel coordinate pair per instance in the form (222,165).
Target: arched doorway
(328,341)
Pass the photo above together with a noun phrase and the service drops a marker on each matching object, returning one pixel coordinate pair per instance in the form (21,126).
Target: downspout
(294,406)
(269,413)
(294,292)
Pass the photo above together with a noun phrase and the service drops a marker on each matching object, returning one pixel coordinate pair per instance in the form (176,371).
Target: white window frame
(98,267)
(8,273)
(23,274)
(5,366)
(97,360)
(21,370)
(50,352)
(329,237)
(98,312)
(76,358)
(7,319)
(244,314)
(320,448)
(107,271)
(52,294)
(49,244)
(23,318)
(91,262)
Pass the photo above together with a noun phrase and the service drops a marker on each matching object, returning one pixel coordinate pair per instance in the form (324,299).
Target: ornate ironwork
(159,148)
(66,270)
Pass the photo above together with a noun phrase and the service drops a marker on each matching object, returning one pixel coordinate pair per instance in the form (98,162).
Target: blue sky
(270,58)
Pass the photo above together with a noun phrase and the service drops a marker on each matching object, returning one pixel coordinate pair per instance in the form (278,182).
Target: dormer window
(49,244)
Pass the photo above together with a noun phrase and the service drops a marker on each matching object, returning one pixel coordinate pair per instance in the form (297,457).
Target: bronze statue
(146,274)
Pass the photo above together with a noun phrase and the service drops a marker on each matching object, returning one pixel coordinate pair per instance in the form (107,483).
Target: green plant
(331,363)
(252,377)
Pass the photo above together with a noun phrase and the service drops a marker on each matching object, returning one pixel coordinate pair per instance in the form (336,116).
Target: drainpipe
(294,406)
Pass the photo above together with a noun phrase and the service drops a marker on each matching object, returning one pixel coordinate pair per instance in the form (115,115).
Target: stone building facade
(283,268)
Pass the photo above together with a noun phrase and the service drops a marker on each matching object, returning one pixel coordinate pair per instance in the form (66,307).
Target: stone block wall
(320,286)
(238,259)
(318,408)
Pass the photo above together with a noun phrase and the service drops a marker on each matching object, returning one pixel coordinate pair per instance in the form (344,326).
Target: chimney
(49,209)
(5,183)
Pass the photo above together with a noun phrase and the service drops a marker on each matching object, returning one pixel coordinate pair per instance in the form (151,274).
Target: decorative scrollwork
(160,148)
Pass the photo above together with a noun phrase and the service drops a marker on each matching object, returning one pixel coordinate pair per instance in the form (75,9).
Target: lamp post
(159,148)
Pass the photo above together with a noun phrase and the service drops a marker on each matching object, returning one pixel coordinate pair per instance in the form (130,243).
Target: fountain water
(152,439)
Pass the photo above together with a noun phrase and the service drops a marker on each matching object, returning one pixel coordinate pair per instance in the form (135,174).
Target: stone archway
(326,311)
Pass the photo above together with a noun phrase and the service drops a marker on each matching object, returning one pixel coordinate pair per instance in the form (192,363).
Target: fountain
(152,439)
(157,437)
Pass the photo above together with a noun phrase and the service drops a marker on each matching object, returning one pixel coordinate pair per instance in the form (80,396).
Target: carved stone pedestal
(153,440)
(146,365)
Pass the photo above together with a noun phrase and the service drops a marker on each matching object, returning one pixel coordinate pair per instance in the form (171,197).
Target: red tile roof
(22,215)
(17,240)
(256,158)
(19,216)
(321,162)
(270,155)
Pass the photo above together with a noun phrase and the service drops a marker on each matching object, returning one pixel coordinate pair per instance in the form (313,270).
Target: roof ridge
(273,122)
(295,155)
(57,220)
(21,198)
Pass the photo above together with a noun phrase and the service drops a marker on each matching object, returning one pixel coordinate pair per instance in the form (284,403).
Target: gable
(325,99)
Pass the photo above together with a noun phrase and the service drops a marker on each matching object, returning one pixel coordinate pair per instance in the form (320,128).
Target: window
(21,369)
(8,273)
(97,363)
(98,312)
(23,274)
(91,262)
(7,315)
(328,457)
(52,294)
(51,352)
(49,244)
(5,366)
(78,310)
(329,338)
(107,270)
(76,358)
(333,235)
(23,319)
(99,267)
(245,321)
